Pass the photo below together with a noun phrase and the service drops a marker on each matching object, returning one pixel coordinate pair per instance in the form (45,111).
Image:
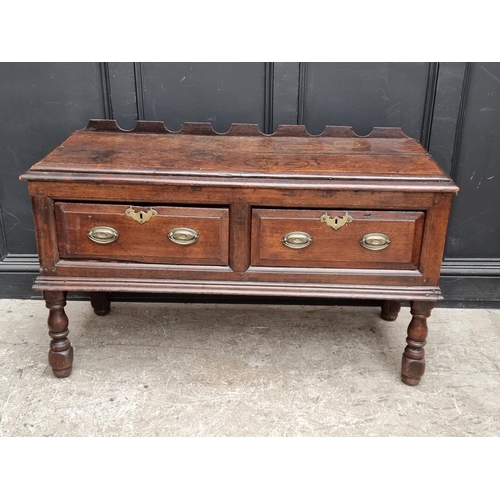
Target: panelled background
(452,108)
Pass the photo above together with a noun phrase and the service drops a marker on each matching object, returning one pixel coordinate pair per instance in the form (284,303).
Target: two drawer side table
(242,213)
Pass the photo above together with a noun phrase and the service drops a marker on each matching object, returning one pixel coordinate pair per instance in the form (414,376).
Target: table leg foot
(61,351)
(101,303)
(413,363)
(390,310)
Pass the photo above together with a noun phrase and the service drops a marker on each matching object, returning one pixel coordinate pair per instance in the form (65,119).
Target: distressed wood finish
(290,151)
(241,192)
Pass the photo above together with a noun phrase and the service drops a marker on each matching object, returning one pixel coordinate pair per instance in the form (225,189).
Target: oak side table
(241,213)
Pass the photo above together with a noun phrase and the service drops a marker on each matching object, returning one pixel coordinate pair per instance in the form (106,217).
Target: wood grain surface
(143,242)
(241,192)
(245,152)
(337,248)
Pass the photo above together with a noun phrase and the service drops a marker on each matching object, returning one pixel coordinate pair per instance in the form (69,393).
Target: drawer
(166,235)
(305,238)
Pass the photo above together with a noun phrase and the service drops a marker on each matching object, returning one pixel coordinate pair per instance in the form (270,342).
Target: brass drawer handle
(183,236)
(375,241)
(297,239)
(102,234)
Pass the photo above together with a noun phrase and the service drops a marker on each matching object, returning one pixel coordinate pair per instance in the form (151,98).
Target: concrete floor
(247,370)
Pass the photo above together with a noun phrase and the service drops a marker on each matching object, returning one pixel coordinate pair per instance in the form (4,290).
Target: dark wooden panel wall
(452,108)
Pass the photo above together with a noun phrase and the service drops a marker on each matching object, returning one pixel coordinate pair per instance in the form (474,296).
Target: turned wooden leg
(390,310)
(100,302)
(413,365)
(60,352)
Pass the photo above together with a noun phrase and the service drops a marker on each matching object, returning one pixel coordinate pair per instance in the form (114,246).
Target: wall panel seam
(429,104)
(268,97)
(139,91)
(106,90)
(459,130)
(301,110)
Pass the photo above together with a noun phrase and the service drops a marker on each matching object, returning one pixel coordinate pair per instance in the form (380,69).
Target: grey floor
(247,370)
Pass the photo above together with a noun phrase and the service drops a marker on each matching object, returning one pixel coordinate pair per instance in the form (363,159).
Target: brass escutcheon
(141,217)
(102,234)
(297,239)
(336,222)
(375,241)
(183,236)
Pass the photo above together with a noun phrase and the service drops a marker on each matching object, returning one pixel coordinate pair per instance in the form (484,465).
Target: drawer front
(342,239)
(166,235)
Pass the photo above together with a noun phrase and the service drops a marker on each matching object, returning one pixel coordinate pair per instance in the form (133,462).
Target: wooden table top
(387,154)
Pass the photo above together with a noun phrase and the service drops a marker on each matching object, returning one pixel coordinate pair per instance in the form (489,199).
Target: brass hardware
(336,222)
(297,239)
(375,241)
(102,234)
(183,236)
(141,217)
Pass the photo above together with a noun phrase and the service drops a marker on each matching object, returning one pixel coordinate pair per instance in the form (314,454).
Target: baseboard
(465,283)
(470,267)
(23,263)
